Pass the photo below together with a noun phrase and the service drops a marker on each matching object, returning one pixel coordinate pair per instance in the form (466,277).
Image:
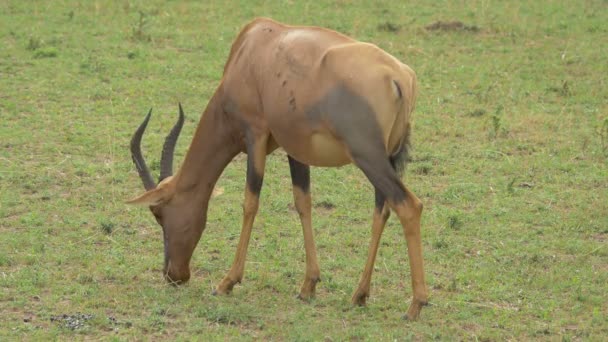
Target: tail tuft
(401,157)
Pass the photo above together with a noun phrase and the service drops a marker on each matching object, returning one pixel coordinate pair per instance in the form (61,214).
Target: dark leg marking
(380,199)
(254,179)
(300,174)
(300,178)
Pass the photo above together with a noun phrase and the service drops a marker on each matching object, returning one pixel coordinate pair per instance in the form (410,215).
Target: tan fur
(272,95)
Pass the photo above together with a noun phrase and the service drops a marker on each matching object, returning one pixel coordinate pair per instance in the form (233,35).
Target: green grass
(510,159)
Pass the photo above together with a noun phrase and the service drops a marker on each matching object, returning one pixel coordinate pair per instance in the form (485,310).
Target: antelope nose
(177,278)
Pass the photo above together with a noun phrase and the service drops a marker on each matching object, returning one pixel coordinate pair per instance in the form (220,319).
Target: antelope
(327,100)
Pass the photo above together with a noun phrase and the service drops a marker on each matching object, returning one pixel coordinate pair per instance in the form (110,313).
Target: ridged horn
(138,159)
(166,160)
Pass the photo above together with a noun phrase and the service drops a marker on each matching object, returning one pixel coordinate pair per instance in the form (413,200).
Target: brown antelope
(327,100)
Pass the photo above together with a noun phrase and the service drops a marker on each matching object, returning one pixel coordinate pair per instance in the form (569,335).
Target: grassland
(511,161)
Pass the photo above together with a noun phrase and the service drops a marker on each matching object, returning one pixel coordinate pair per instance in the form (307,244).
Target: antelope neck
(213,146)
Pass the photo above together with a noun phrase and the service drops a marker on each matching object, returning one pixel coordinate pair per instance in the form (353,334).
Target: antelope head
(166,204)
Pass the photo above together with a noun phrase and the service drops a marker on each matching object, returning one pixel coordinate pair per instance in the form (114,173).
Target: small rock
(72,322)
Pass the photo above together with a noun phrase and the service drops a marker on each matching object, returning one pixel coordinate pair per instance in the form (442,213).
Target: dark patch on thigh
(344,109)
(300,174)
(354,122)
(351,117)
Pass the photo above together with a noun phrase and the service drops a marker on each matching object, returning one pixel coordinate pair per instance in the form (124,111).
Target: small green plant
(423,168)
(496,122)
(477,113)
(34,43)
(5,261)
(139,28)
(511,186)
(454,222)
(388,26)
(453,286)
(107,227)
(565,89)
(440,243)
(132,54)
(562,90)
(46,52)
(92,64)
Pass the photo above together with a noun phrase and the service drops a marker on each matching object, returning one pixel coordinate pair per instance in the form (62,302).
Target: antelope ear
(155,196)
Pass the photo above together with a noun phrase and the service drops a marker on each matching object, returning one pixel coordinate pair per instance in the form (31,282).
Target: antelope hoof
(360,298)
(305,297)
(218,292)
(224,287)
(414,311)
(307,292)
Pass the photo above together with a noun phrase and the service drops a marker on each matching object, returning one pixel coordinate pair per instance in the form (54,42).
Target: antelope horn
(166,160)
(138,159)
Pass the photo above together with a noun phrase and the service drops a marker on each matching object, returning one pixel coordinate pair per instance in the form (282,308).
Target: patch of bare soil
(601,237)
(72,322)
(451,26)
(324,207)
(389,27)
(79,320)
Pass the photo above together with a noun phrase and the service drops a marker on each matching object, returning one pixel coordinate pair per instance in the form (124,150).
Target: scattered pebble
(115,322)
(72,322)
(78,321)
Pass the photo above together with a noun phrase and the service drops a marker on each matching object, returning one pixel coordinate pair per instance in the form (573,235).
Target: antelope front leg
(300,178)
(381,214)
(256,160)
(409,212)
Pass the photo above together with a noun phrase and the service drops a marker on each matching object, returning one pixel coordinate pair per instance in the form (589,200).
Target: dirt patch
(322,206)
(325,205)
(451,26)
(79,320)
(389,27)
(72,322)
(115,323)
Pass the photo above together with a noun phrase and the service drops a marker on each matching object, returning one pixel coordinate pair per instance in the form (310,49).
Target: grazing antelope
(324,98)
